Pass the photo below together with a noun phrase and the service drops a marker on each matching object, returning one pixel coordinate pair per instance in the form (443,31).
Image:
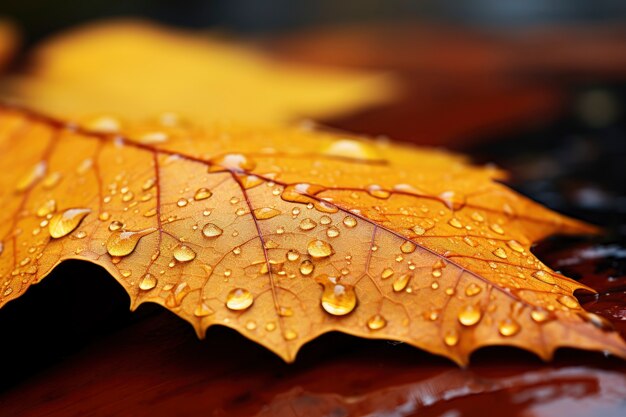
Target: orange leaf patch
(284,234)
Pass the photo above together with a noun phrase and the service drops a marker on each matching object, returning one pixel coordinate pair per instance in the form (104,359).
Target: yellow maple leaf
(284,234)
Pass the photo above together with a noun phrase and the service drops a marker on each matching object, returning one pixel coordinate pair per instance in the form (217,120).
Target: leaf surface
(284,234)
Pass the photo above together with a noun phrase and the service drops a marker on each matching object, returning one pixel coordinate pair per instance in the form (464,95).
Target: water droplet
(568,301)
(234,162)
(544,276)
(202,310)
(239,299)
(184,253)
(251,325)
(452,200)
(500,253)
(470,242)
(46,208)
(104,124)
(292,255)
(337,299)
(182,202)
(104,216)
(348,148)
(349,222)
(115,225)
(64,223)
(478,217)
(211,230)
(153,137)
(306,267)
(319,249)
(51,180)
(285,311)
(509,327)
(469,315)
(148,282)
(472,290)
(265,213)
(307,224)
(515,245)
(35,174)
(290,335)
(202,194)
(122,243)
(332,231)
(148,184)
(454,222)
(497,228)
(376,191)
(376,322)
(407,247)
(401,282)
(418,230)
(387,273)
(539,315)
(451,338)
(270,327)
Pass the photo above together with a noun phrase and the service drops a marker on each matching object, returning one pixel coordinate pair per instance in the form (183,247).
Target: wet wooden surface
(64,354)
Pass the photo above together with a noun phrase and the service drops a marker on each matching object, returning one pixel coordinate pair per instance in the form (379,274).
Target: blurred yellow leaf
(136,70)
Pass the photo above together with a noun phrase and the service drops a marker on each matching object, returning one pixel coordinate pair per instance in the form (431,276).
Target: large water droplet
(202,194)
(306,267)
(122,243)
(539,315)
(64,223)
(184,253)
(265,213)
(307,224)
(234,162)
(469,315)
(337,299)
(349,221)
(319,249)
(148,282)
(211,230)
(239,299)
(500,253)
(401,282)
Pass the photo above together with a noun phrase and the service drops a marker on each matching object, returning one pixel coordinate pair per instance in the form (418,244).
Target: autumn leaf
(284,234)
(79,74)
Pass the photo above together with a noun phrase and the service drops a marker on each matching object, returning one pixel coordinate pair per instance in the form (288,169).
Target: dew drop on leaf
(539,315)
(469,315)
(472,290)
(64,223)
(35,174)
(319,249)
(401,282)
(202,310)
(376,322)
(239,299)
(337,299)
(544,276)
(306,267)
(407,247)
(184,253)
(148,282)
(568,301)
(265,213)
(307,224)
(211,230)
(49,207)
(500,253)
(509,327)
(202,194)
(349,221)
(123,242)
(451,338)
